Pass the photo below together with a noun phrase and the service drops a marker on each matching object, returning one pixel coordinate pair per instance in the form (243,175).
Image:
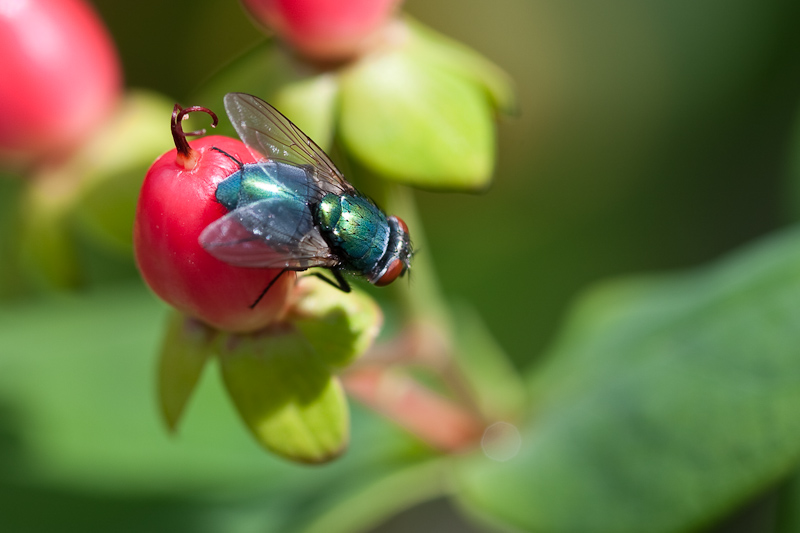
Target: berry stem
(187,157)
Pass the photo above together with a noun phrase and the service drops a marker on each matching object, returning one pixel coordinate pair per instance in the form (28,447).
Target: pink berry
(177,202)
(60,77)
(324,29)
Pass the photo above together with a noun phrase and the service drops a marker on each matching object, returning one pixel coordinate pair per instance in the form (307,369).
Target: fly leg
(340,282)
(269,286)
(223,152)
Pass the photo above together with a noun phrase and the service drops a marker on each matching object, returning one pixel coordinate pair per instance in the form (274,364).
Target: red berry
(60,77)
(175,205)
(324,29)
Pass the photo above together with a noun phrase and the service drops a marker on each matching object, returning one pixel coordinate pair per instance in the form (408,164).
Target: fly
(294,210)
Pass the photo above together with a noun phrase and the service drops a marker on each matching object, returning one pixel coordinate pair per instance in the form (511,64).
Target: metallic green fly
(294,210)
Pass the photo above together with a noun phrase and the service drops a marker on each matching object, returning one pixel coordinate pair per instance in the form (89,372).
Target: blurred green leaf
(185,350)
(47,236)
(665,404)
(285,394)
(91,198)
(417,124)
(113,165)
(77,396)
(310,104)
(340,327)
(11,191)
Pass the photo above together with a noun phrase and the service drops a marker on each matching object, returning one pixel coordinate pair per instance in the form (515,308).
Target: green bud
(417,113)
(340,327)
(285,394)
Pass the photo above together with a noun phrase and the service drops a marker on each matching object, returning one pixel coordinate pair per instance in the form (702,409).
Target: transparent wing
(269,134)
(271,233)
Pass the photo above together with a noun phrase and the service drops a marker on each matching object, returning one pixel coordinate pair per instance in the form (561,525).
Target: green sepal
(186,348)
(450,55)
(340,327)
(286,394)
(113,164)
(310,104)
(416,123)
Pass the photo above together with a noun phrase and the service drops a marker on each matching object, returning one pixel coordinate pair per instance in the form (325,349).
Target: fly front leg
(340,282)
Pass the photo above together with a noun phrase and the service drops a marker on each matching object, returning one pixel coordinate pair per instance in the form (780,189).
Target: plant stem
(380,382)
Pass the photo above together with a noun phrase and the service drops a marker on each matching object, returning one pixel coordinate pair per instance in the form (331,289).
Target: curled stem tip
(187,156)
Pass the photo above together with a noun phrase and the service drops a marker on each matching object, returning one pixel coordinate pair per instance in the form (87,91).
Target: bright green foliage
(417,124)
(666,403)
(450,55)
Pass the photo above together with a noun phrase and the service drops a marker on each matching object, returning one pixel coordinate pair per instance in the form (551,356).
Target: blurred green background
(652,136)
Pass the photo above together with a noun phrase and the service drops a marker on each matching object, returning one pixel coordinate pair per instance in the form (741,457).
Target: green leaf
(417,124)
(81,436)
(113,165)
(450,55)
(339,326)
(11,277)
(666,403)
(47,242)
(310,104)
(286,394)
(185,350)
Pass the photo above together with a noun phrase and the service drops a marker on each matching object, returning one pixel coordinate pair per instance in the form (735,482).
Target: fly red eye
(402,225)
(395,269)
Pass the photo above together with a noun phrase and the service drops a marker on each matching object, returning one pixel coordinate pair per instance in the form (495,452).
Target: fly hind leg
(265,291)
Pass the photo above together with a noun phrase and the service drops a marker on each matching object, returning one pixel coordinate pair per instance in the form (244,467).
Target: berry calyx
(187,157)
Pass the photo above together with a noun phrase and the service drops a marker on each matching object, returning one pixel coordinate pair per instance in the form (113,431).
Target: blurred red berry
(324,29)
(177,202)
(60,76)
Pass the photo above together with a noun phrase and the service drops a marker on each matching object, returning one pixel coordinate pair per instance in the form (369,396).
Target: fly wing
(269,134)
(271,233)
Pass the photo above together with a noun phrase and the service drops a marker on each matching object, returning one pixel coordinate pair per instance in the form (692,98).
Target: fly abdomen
(356,228)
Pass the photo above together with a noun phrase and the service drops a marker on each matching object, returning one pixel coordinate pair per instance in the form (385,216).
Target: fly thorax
(355,228)
(228,190)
